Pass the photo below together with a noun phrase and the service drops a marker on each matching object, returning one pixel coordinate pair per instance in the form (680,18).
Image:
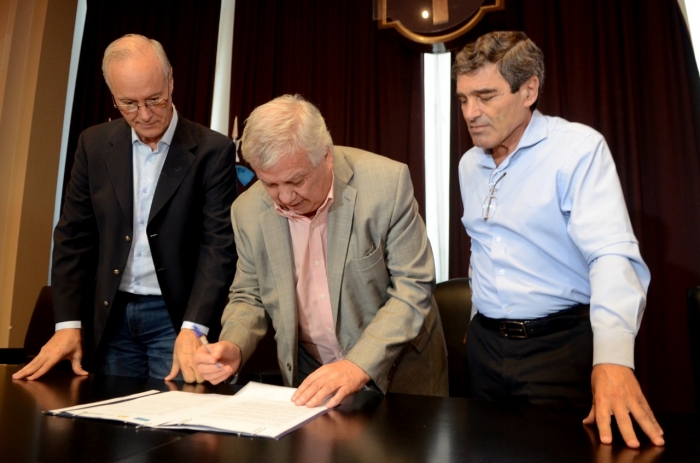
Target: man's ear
(530,90)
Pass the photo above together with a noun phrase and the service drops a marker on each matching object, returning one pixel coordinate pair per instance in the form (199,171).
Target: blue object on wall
(245,175)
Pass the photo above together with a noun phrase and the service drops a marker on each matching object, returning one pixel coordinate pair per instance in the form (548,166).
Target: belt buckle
(513,329)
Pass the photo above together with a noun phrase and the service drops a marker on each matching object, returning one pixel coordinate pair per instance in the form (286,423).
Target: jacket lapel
(177,164)
(340,219)
(119,160)
(278,242)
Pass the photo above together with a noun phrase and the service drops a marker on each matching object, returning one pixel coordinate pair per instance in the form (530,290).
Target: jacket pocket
(370,277)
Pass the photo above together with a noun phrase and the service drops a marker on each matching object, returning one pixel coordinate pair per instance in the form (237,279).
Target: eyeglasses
(133,107)
(153,103)
(489,207)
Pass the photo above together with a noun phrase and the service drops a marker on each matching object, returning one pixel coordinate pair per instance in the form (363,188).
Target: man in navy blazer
(144,250)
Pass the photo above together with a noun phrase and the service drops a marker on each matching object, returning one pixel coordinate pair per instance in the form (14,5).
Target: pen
(205,343)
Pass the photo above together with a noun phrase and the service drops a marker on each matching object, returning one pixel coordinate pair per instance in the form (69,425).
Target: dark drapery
(368,83)
(188,31)
(625,68)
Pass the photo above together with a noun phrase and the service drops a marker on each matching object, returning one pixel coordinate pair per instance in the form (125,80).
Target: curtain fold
(368,83)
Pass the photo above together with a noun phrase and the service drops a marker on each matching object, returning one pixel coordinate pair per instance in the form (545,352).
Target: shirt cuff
(190,326)
(613,346)
(71,324)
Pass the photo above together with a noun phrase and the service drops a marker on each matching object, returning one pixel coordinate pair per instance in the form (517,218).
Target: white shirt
(140,272)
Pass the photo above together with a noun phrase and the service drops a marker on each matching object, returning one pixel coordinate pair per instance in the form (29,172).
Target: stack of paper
(256,410)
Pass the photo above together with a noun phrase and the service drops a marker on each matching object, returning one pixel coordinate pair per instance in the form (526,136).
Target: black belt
(131,297)
(523,329)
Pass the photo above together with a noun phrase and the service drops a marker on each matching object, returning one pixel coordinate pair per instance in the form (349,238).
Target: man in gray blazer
(333,251)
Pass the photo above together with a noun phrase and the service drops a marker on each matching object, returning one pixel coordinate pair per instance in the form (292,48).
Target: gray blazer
(381,277)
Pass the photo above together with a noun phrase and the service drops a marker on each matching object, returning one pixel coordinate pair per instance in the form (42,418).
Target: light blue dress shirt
(139,275)
(560,234)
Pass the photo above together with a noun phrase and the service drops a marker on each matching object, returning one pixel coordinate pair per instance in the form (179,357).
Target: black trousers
(553,370)
(307,364)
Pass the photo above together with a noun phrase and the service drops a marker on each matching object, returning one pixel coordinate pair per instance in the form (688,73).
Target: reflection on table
(365,428)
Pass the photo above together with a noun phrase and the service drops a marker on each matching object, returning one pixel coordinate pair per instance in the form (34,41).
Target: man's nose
(286,196)
(144,112)
(471,110)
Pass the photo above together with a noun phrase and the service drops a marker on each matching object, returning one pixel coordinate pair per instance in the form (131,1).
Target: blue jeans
(142,344)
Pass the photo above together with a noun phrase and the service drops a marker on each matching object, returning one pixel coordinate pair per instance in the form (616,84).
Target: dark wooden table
(368,428)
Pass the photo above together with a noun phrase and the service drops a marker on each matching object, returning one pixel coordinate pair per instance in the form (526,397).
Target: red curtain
(368,83)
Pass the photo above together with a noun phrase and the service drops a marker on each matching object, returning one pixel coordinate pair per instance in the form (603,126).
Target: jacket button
(127,238)
(116,271)
(289,367)
(106,304)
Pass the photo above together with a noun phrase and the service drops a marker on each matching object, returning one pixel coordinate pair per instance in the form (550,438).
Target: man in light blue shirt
(144,251)
(557,278)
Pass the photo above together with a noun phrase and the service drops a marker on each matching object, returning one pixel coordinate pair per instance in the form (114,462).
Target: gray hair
(283,126)
(132,45)
(516,56)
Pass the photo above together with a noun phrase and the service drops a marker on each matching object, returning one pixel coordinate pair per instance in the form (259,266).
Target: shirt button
(498,239)
(141,222)
(317,263)
(330,330)
(508,309)
(289,366)
(127,238)
(501,271)
(138,254)
(116,271)
(105,303)
(323,296)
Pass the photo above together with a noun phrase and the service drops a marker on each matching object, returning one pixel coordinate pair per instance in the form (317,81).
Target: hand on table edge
(616,392)
(186,344)
(64,344)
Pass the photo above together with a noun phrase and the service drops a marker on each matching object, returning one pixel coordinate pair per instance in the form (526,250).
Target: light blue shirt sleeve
(188,325)
(72,324)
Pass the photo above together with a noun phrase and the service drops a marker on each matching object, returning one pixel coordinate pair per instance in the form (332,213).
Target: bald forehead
(132,48)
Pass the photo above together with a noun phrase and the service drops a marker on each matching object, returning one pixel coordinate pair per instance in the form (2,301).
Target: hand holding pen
(205,343)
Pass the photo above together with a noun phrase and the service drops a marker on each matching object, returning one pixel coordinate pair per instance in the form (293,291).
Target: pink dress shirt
(315,314)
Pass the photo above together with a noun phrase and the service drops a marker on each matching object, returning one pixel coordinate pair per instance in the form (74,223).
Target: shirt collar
(294,216)
(535,132)
(167,137)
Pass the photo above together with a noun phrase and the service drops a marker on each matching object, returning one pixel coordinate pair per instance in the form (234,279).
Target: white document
(256,410)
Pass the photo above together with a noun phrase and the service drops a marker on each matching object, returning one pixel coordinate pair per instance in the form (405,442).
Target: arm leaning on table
(599,225)
(215,262)
(398,277)
(73,267)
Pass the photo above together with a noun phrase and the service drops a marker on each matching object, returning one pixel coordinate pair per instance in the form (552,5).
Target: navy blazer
(189,228)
